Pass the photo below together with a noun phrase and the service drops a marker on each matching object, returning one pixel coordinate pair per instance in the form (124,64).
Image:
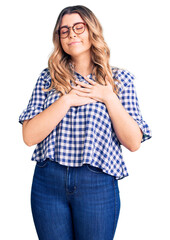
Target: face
(75,44)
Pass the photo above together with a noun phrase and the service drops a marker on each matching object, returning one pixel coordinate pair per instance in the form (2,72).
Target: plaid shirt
(85,134)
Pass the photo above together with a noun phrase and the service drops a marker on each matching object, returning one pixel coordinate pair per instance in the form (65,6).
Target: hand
(75,100)
(94,90)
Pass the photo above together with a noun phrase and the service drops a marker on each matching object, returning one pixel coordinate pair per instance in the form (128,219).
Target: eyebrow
(64,26)
(68,26)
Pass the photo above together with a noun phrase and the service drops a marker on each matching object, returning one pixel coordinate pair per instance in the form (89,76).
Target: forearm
(126,128)
(38,128)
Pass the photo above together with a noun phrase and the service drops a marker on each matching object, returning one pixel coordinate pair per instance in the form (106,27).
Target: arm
(39,127)
(126,128)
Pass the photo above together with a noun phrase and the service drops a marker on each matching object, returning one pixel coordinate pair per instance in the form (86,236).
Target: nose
(72,33)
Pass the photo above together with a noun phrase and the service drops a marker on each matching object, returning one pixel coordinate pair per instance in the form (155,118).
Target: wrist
(66,100)
(109,98)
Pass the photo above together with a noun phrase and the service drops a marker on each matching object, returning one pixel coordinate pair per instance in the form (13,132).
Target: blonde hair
(60,66)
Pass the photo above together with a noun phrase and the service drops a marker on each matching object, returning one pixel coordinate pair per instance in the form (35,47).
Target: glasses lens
(79,28)
(64,32)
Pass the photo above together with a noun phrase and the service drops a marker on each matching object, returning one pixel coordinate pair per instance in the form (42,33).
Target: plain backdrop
(137,33)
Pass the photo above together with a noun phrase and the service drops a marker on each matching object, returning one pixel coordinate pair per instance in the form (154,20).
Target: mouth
(73,43)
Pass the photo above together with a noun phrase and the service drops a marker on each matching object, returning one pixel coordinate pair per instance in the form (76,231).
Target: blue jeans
(80,203)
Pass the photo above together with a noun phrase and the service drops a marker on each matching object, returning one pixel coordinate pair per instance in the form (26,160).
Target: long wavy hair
(60,65)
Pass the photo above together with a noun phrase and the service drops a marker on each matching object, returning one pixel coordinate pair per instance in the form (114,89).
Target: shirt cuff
(29,113)
(147,134)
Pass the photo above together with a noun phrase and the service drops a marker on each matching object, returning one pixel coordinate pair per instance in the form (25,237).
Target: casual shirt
(86,134)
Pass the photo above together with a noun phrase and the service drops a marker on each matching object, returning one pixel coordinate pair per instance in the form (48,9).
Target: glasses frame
(72,27)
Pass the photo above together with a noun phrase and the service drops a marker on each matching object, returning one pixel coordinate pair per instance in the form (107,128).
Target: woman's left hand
(94,90)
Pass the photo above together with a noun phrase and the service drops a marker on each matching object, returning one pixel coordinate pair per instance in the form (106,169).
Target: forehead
(70,19)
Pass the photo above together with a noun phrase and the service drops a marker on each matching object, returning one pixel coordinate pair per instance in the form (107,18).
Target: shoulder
(44,78)
(124,77)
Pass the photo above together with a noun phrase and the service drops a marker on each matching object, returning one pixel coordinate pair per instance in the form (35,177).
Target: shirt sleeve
(36,102)
(129,100)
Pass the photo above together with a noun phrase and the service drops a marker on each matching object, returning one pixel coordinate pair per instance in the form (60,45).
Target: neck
(83,66)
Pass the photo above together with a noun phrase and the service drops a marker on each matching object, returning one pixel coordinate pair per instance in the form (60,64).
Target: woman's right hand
(39,127)
(75,100)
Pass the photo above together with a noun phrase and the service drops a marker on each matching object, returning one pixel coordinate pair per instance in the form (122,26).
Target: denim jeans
(74,203)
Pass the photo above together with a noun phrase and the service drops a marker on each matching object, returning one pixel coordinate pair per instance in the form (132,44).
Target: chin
(76,53)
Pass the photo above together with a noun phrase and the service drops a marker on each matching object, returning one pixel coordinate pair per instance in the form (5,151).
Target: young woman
(80,113)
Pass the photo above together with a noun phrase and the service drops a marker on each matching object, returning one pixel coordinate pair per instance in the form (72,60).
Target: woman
(80,112)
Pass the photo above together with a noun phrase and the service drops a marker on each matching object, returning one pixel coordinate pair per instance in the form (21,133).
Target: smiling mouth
(74,43)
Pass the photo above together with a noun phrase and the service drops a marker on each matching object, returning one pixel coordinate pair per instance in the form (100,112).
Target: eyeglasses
(78,28)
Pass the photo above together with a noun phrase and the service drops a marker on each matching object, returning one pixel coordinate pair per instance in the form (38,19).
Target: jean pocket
(42,164)
(94,169)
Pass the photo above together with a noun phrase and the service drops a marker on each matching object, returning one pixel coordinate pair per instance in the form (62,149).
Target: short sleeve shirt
(86,134)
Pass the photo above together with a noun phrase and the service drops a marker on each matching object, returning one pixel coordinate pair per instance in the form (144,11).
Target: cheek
(64,46)
(86,41)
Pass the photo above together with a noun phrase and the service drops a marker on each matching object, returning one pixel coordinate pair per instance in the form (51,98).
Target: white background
(137,33)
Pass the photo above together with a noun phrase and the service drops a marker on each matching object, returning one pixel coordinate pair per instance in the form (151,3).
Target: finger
(83,84)
(86,90)
(90,81)
(107,81)
(82,94)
